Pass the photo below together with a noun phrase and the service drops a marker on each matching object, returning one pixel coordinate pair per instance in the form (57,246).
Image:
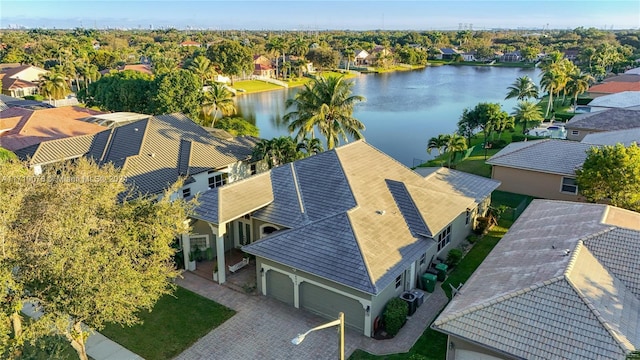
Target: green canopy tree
(454,143)
(482,117)
(527,112)
(523,88)
(53,85)
(309,146)
(120,91)
(323,58)
(177,91)
(237,126)
(611,174)
(325,105)
(438,143)
(276,151)
(201,66)
(100,261)
(231,57)
(217,100)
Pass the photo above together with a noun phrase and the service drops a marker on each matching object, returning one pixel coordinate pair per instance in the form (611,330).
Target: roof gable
(611,119)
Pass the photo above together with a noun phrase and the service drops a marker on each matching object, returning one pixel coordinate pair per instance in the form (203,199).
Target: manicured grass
(253,86)
(432,345)
(475,256)
(508,199)
(175,323)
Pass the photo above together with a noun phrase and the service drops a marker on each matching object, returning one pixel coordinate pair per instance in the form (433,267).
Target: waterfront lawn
(175,323)
(253,86)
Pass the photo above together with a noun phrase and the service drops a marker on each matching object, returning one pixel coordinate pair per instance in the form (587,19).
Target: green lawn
(175,323)
(253,86)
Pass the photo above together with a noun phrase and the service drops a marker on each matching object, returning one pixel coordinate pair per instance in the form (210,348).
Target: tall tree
(526,112)
(276,151)
(278,45)
(120,91)
(218,100)
(325,105)
(201,66)
(438,143)
(102,260)
(523,88)
(231,57)
(177,91)
(577,84)
(53,85)
(483,117)
(310,146)
(454,143)
(323,58)
(611,174)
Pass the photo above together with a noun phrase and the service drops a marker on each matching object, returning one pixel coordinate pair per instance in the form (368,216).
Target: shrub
(454,257)
(520,137)
(395,315)
(498,144)
(36,97)
(472,238)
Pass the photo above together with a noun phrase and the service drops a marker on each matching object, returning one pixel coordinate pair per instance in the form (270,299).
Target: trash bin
(419,297)
(442,271)
(410,299)
(429,282)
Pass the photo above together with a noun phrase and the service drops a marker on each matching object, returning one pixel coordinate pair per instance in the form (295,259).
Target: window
(423,258)
(575,132)
(199,242)
(218,180)
(253,169)
(444,238)
(186,192)
(569,185)
(468,217)
(399,281)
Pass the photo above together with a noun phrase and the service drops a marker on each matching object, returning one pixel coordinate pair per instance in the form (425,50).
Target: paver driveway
(263,328)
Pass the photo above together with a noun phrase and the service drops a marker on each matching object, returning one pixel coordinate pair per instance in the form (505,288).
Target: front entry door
(243,232)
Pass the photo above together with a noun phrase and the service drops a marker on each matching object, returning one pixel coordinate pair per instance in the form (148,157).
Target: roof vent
(152,155)
(380,212)
(566,252)
(135,129)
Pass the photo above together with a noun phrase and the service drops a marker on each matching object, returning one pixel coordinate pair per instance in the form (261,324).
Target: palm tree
(325,105)
(555,70)
(276,151)
(218,99)
(503,123)
(299,47)
(577,84)
(201,66)
(278,45)
(437,143)
(310,146)
(349,53)
(454,144)
(525,112)
(53,85)
(523,88)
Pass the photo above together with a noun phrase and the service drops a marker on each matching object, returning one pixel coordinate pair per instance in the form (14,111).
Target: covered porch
(242,279)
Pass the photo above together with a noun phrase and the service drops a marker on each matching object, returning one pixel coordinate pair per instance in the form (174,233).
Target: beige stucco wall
(580,135)
(537,184)
(459,349)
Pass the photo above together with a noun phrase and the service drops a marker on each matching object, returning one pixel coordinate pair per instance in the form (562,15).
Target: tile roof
(548,155)
(612,87)
(149,151)
(459,182)
(619,100)
(28,127)
(562,283)
(625,137)
(606,120)
(351,198)
(626,77)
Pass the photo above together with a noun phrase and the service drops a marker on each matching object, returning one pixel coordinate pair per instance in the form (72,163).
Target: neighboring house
(10,102)
(190,43)
(24,72)
(262,66)
(447,54)
(20,128)
(469,56)
(615,84)
(563,283)
(625,137)
(154,153)
(571,54)
(540,168)
(360,57)
(21,80)
(634,71)
(345,230)
(115,119)
(623,99)
(607,120)
(513,56)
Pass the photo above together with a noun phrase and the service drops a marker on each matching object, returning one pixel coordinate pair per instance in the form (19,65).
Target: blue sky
(322,15)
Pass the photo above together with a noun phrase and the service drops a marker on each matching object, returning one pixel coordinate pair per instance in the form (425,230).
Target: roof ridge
(24,119)
(496,300)
(413,203)
(364,259)
(382,153)
(531,143)
(296,185)
(612,332)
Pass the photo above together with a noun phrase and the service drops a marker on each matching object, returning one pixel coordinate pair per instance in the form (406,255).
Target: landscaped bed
(175,323)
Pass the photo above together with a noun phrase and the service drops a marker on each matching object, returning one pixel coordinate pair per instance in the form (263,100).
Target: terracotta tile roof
(29,127)
(612,87)
(9,83)
(262,67)
(143,68)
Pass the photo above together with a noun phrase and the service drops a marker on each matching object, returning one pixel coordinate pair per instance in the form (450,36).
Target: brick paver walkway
(263,328)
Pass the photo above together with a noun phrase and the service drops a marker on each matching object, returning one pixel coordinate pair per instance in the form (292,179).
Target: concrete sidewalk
(98,346)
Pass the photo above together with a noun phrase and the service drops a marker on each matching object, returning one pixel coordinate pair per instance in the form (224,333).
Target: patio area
(242,280)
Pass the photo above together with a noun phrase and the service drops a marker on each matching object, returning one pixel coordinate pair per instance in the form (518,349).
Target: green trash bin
(442,271)
(429,282)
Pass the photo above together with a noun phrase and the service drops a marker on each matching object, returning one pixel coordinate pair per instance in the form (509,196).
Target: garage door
(280,286)
(328,304)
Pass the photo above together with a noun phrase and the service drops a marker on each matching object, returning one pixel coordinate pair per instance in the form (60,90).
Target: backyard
(176,322)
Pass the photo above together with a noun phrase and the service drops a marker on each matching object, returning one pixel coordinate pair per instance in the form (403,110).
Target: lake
(403,109)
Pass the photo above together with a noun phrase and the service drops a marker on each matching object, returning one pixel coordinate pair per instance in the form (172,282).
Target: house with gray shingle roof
(154,153)
(607,120)
(540,168)
(344,230)
(563,283)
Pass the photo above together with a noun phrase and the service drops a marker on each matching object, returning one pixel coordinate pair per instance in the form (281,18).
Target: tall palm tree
(276,151)
(310,146)
(525,112)
(454,144)
(278,45)
(503,123)
(218,99)
(437,142)
(523,88)
(349,53)
(53,85)
(577,84)
(299,47)
(325,105)
(201,66)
